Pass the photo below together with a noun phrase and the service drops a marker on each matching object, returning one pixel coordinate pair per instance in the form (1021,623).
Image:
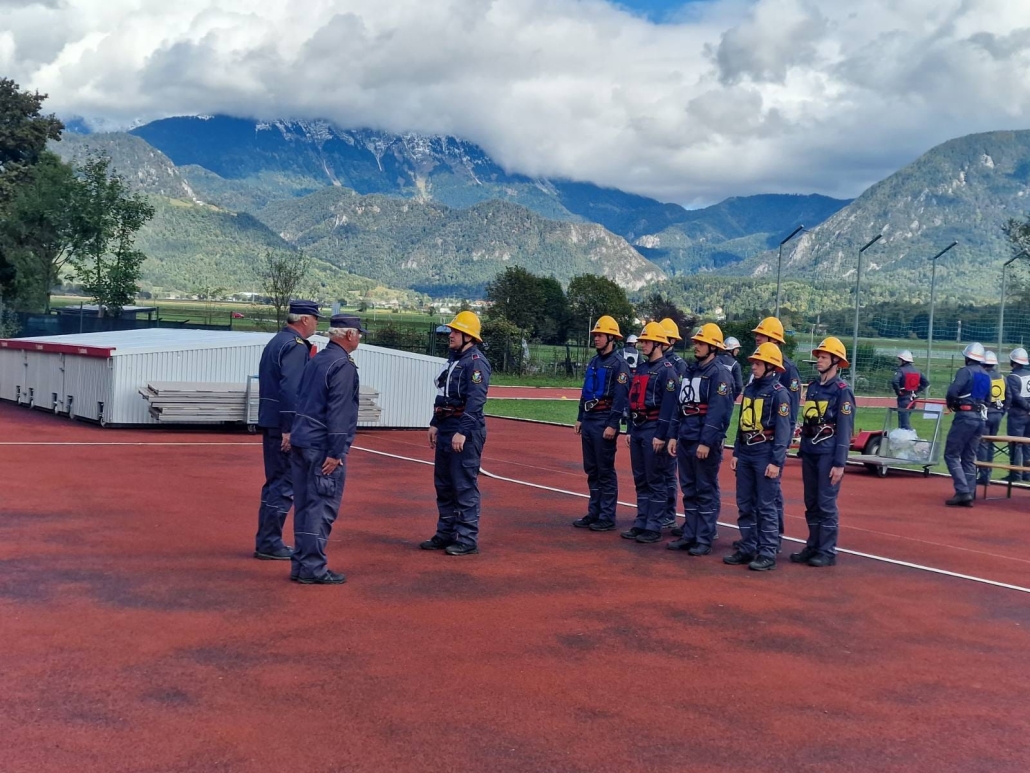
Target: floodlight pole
(1001,313)
(779,266)
(933,288)
(854,332)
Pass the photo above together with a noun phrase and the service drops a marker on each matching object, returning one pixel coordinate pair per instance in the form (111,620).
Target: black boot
(823,559)
(762,564)
(631,533)
(583,523)
(739,558)
(802,556)
(960,500)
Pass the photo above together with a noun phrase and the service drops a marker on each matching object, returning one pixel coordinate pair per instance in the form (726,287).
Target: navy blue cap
(304,307)
(346,320)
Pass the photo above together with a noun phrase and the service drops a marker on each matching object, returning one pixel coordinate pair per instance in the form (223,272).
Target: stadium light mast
(779,266)
(1001,313)
(854,332)
(933,288)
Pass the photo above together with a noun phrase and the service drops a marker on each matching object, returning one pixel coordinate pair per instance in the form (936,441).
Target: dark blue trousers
(599,465)
(669,512)
(649,478)
(699,482)
(904,415)
(820,502)
(960,450)
(456,477)
(316,504)
(1019,454)
(276,494)
(985,453)
(756,506)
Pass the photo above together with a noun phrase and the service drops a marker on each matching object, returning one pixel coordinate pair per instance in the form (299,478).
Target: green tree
(108,218)
(552,326)
(281,274)
(589,296)
(657,306)
(40,229)
(515,296)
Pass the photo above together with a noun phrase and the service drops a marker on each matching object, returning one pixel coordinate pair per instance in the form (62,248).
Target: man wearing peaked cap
(327,418)
(279,373)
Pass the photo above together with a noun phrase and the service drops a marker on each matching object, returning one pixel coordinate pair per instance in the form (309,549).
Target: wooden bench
(1007,439)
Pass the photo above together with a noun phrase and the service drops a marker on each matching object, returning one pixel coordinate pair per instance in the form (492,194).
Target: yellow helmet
(771,327)
(710,334)
(653,331)
(832,345)
(672,330)
(467,322)
(770,354)
(608,326)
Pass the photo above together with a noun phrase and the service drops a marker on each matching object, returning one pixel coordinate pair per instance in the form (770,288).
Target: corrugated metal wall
(406,384)
(12,372)
(87,385)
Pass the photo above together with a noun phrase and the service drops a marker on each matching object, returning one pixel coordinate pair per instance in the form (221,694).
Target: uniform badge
(477,377)
(784,409)
(794,385)
(670,385)
(723,388)
(845,408)
(623,378)
(299,340)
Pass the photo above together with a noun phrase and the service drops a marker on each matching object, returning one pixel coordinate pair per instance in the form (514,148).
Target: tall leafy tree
(532,303)
(589,296)
(281,275)
(108,218)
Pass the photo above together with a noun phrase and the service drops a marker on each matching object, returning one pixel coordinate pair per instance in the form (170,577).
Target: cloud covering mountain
(728,97)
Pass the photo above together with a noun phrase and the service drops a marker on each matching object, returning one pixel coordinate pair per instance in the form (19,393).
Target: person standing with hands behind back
(457,432)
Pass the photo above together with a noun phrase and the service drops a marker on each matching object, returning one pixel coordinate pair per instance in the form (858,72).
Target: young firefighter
(601,407)
(697,434)
(826,421)
(672,332)
(967,397)
(907,383)
(763,436)
(1017,388)
(652,401)
(996,405)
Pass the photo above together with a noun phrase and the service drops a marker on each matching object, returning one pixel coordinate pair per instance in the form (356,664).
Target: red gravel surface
(139,635)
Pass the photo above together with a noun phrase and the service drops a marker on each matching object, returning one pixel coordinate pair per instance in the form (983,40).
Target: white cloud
(733,97)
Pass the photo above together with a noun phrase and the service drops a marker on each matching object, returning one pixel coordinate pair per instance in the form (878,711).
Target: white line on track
(516,481)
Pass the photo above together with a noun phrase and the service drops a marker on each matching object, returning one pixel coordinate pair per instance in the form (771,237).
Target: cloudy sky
(684,101)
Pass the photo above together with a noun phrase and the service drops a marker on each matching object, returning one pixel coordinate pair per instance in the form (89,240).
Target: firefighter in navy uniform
(1017,388)
(279,374)
(697,433)
(770,329)
(907,384)
(763,436)
(602,405)
(672,332)
(827,419)
(652,402)
(629,352)
(728,359)
(457,432)
(323,431)
(967,397)
(996,406)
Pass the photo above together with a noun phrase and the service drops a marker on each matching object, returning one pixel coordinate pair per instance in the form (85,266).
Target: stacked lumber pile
(197,402)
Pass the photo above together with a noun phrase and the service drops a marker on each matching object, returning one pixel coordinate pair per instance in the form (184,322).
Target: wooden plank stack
(197,402)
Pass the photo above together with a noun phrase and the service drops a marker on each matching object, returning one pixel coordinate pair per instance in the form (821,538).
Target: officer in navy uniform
(652,402)
(967,397)
(672,332)
(763,436)
(282,363)
(827,419)
(770,329)
(697,434)
(997,404)
(728,359)
(907,384)
(1017,385)
(323,431)
(629,352)
(602,405)
(457,432)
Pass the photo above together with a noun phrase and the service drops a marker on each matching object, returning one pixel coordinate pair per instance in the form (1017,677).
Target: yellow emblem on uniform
(784,409)
(477,377)
(751,414)
(623,378)
(845,408)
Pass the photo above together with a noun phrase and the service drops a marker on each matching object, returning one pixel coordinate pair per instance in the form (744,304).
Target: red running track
(138,634)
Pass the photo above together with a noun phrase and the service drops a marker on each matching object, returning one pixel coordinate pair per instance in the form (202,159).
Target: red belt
(639,417)
(597,405)
(966,408)
(694,409)
(447,410)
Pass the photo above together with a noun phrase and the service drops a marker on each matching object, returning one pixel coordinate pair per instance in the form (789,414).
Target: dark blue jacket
(461,393)
(704,405)
(677,362)
(605,389)
(1017,391)
(970,391)
(913,375)
(652,396)
(827,419)
(327,404)
(764,424)
(791,380)
(731,364)
(282,364)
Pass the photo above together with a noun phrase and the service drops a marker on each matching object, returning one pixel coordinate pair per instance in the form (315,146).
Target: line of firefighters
(678,414)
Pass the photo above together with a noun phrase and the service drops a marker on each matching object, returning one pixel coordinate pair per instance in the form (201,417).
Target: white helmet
(905,356)
(730,344)
(631,339)
(990,358)
(975,352)
(1019,356)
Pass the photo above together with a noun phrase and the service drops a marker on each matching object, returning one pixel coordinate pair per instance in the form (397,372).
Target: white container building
(98,376)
